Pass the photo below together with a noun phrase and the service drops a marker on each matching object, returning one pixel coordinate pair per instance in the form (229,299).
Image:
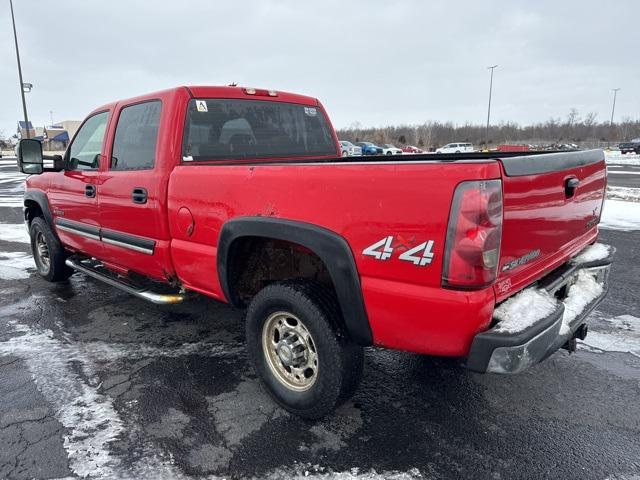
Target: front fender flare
(330,247)
(39,197)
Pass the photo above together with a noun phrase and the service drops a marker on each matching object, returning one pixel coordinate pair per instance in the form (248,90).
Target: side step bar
(96,270)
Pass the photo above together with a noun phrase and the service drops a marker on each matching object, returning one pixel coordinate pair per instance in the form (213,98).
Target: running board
(96,270)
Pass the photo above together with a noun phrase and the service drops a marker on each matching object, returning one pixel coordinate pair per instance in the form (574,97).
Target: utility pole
(490,91)
(24,103)
(613,108)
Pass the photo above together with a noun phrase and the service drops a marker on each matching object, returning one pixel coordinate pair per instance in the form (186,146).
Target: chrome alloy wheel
(42,251)
(290,351)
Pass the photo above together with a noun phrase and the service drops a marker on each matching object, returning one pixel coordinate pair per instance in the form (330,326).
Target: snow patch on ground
(14,232)
(15,265)
(619,215)
(584,291)
(79,404)
(594,252)
(623,193)
(317,472)
(89,417)
(615,157)
(92,423)
(622,335)
(523,310)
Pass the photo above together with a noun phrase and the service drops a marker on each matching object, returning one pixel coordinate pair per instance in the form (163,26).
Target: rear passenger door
(132,197)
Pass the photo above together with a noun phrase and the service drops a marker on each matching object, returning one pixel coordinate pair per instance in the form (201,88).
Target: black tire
(339,360)
(53,269)
(345,154)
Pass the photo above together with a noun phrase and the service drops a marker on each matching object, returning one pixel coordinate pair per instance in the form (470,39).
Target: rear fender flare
(330,247)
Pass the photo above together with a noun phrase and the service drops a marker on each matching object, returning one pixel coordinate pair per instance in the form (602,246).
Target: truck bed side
(358,202)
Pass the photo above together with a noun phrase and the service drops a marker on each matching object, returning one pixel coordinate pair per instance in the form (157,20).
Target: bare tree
(585,131)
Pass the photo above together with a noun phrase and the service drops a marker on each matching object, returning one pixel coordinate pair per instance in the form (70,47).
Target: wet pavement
(96,383)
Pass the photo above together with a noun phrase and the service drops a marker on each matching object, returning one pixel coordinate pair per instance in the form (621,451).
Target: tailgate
(552,204)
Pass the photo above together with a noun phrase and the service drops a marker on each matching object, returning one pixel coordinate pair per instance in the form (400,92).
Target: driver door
(73,192)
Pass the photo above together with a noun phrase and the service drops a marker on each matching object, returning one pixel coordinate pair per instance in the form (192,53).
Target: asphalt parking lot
(96,383)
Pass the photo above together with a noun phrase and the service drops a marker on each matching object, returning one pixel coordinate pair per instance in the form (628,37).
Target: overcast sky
(372,62)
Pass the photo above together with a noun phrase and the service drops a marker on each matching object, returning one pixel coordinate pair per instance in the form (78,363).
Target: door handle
(90,191)
(139,195)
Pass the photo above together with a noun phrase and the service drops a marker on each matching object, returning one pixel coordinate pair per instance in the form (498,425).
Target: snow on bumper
(534,323)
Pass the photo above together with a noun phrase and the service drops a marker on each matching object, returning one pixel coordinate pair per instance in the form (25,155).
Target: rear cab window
(220,129)
(136,136)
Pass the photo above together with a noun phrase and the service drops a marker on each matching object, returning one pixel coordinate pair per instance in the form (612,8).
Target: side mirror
(30,159)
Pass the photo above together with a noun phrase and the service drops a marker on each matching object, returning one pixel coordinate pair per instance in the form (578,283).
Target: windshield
(233,129)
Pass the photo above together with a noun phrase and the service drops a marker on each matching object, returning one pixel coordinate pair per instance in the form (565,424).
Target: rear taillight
(474,232)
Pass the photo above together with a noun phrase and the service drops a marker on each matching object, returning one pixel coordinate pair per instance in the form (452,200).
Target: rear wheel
(298,349)
(48,253)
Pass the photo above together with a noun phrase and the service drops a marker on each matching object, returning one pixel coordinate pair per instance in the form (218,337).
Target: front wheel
(298,349)
(48,253)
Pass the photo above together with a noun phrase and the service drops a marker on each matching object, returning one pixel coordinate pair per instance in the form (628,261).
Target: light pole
(490,91)
(613,108)
(24,103)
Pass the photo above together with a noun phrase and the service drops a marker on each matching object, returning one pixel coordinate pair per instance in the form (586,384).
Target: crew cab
(242,195)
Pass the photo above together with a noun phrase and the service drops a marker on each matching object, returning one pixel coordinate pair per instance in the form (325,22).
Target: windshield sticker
(201,105)
(311,111)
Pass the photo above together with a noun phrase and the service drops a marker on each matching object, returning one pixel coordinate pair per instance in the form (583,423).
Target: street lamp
(23,85)
(490,90)
(613,108)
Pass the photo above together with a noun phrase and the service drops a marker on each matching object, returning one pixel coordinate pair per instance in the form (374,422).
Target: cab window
(136,137)
(84,152)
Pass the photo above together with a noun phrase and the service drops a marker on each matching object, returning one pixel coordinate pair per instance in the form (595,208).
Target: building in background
(23,128)
(71,126)
(55,137)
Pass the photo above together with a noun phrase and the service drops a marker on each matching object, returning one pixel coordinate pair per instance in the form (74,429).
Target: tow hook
(571,345)
(580,333)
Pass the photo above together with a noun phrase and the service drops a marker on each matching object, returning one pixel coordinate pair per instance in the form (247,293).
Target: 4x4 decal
(419,255)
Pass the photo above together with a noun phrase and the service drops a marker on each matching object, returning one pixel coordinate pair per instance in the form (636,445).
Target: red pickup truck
(242,195)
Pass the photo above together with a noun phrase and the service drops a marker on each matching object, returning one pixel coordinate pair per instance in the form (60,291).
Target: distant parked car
(368,148)
(349,149)
(456,148)
(412,149)
(390,149)
(630,147)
